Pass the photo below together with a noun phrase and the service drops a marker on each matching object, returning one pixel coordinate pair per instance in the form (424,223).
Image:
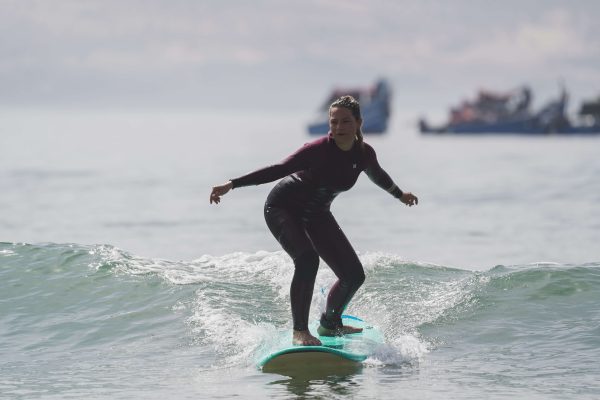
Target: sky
(288,55)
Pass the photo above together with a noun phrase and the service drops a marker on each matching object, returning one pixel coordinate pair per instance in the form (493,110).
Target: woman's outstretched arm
(381,178)
(298,161)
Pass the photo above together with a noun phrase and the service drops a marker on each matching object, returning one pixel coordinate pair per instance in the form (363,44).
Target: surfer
(297,212)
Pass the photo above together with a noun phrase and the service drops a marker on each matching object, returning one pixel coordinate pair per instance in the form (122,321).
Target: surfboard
(337,354)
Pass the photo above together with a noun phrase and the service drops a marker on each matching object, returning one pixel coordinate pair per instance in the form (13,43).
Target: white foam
(274,269)
(228,310)
(234,340)
(400,350)
(373,261)
(121,262)
(376,260)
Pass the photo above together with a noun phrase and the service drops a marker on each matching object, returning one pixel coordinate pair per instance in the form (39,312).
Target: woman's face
(343,127)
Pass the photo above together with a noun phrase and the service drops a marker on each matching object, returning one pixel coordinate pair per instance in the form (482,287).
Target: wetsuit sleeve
(378,174)
(298,161)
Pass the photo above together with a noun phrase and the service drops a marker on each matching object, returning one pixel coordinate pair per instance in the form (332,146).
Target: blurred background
(116,118)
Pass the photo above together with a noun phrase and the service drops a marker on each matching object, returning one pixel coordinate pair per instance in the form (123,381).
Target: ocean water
(119,280)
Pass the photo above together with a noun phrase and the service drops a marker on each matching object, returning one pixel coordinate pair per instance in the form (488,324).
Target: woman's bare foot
(304,338)
(344,330)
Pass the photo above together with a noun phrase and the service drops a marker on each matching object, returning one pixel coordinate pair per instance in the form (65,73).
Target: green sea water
(98,322)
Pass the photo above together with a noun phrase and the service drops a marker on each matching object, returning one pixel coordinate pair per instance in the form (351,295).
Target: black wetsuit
(298,214)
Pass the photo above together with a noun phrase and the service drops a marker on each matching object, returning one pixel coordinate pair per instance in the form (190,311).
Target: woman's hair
(350,103)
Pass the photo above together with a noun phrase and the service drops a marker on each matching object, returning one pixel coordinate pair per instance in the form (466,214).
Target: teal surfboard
(337,354)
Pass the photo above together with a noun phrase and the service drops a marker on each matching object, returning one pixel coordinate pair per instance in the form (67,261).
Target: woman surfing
(297,212)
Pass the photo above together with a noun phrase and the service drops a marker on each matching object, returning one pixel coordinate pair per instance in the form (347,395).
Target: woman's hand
(218,191)
(409,199)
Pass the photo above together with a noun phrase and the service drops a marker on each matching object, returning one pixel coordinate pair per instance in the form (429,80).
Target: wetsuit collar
(332,140)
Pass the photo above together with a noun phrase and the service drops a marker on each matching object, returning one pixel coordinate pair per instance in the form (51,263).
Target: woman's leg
(335,249)
(289,231)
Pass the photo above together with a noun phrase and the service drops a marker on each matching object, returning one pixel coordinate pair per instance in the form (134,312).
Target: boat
(510,113)
(590,112)
(375,105)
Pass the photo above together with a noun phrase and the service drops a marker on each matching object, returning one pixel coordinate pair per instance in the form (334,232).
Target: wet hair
(351,104)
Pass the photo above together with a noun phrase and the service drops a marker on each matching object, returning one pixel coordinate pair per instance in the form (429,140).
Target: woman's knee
(359,278)
(354,280)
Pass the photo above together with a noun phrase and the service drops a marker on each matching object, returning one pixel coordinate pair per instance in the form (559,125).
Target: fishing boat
(374,104)
(511,113)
